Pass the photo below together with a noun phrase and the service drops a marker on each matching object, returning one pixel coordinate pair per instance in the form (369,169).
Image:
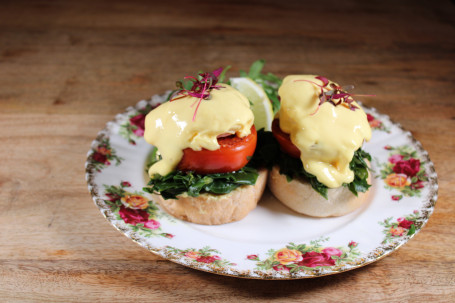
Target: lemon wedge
(261,106)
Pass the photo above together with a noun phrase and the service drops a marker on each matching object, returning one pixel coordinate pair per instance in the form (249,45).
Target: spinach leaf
(269,154)
(178,182)
(360,168)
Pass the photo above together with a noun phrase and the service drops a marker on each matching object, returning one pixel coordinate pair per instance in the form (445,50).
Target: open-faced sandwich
(320,169)
(204,138)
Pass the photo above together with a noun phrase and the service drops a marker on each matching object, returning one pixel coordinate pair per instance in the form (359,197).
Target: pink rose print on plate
(395,158)
(332,251)
(313,259)
(208,259)
(103,155)
(409,167)
(397,197)
(134,209)
(99,157)
(253,257)
(133,129)
(125,184)
(204,255)
(403,171)
(136,216)
(353,244)
(133,216)
(138,122)
(152,224)
(376,123)
(295,258)
(403,226)
(402,222)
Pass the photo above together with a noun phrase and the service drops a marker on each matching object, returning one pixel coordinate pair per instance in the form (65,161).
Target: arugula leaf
(178,182)
(223,74)
(255,68)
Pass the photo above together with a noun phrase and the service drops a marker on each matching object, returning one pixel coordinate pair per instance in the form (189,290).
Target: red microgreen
(201,87)
(334,94)
(324,80)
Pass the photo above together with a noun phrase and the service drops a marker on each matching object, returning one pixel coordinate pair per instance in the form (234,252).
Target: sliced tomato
(284,140)
(233,154)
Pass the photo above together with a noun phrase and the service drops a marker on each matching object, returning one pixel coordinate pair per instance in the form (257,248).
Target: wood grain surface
(67,67)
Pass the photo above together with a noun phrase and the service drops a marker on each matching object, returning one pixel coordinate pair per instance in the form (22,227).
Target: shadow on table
(270,289)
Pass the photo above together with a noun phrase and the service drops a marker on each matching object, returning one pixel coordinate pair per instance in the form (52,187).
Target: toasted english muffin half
(212,209)
(299,196)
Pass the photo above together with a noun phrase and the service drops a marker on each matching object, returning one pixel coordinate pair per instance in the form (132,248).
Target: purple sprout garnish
(202,85)
(334,94)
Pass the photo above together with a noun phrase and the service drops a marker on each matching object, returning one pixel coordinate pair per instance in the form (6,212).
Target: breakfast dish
(204,138)
(320,168)
(165,175)
(272,242)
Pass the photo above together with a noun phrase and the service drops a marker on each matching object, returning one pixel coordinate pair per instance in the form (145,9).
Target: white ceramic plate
(272,242)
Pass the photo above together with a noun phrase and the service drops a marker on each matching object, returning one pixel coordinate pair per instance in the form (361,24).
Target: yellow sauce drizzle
(170,127)
(328,136)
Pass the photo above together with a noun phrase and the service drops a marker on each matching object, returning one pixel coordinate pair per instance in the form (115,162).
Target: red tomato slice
(233,154)
(284,140)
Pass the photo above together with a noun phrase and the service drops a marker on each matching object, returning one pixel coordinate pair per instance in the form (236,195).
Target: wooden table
(67,67)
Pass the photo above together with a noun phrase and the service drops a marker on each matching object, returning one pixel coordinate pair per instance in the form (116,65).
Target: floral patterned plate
(272,242)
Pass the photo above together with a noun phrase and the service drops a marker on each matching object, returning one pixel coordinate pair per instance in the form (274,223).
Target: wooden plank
(66,68)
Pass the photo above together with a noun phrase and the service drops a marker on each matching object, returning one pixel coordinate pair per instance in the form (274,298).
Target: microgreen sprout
(334,94)
(201,87)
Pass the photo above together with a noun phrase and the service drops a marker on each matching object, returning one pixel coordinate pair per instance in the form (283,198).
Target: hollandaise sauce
(326,135)
(171,127)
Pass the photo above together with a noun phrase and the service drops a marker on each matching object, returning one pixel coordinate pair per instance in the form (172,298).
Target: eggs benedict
(204,137)
(320,130)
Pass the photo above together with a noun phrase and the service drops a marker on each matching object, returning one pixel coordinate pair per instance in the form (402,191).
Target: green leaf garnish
(255,69)
(269,82)
(223,74)
(269,154)
(178,182)
(360,168)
